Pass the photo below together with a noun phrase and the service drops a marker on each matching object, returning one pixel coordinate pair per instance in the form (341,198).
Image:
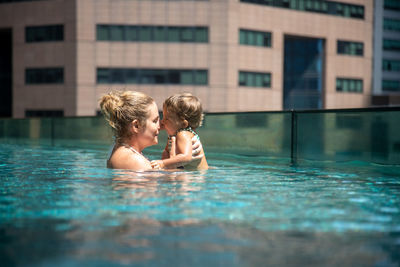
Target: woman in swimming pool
(135,121)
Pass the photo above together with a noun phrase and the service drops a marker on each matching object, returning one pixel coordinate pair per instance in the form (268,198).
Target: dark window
(392,4)
(44,76)
(349,85)
(173,34)
(117,33)
(160,34)
(187,77)
(47,33)
(143,33)
(6,69)
(390,65)
(43,113)
(201,77)
(151,76)
(15,1)
(317,6)
(255,38)
(391,45)
(131,34)
(103,32)
(254,79)
(117,75)
(187,35)
(201,34)
(350,48)
(391,85)
(391,24)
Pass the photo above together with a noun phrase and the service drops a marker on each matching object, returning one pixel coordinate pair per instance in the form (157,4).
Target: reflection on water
(150,242)
(62,207)
(179,182)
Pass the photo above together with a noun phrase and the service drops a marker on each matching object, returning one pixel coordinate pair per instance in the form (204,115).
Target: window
(349,85)
(317,6)
(44,33)
(43,113)
(391,85)
(350,48)
(143,33)
(391,24)
(13,1)
(390,65)
(160,34)
(187,77)
(255,38)
(254,79)
(201,77)
(201,34)
(151,76)
(131,34)
(391,45)
(187,35)
(173,34)
(117,33)
(103,33)
(44,76)
(392,4)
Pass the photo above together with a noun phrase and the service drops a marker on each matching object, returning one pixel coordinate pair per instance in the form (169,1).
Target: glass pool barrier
(371,135)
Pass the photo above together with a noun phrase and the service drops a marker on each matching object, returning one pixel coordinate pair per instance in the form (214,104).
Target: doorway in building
(303,73)
(5,73)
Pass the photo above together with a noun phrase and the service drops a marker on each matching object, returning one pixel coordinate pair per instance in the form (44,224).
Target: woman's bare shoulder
(123,158)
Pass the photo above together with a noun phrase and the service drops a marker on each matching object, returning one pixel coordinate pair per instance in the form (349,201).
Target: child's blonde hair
(121,108)
(186,107)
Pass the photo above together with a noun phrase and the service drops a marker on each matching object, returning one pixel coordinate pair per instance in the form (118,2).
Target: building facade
(235,55)
(386,65)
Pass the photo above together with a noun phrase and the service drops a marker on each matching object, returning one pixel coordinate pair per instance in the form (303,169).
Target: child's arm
(184,149)
(169,150)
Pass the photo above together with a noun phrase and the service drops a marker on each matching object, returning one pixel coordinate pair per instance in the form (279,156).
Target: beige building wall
(222,56)
(80,54)
(45,54)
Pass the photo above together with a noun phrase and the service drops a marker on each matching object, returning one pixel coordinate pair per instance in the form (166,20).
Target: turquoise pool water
(61,206)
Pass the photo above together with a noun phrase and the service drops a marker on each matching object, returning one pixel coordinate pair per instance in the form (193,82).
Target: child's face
(170,122)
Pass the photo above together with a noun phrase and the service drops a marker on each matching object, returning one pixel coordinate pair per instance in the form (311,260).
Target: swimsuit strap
(189,129)
(133,150)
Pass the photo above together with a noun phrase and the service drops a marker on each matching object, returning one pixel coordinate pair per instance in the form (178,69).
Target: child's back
(188,134)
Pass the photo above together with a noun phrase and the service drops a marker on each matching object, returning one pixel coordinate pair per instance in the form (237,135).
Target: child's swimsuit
(189,129)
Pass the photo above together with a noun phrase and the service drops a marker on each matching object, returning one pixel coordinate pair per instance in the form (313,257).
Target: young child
(182,114)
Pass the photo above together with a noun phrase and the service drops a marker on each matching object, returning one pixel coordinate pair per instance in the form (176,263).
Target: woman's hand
(196,148)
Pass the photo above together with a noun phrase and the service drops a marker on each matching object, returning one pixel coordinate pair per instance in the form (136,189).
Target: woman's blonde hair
(186,107)
(121,108)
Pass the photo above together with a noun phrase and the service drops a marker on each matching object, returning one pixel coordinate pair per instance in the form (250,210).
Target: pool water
(61,206)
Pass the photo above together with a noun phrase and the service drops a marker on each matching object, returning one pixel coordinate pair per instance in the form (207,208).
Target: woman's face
(170,123)
(149,134)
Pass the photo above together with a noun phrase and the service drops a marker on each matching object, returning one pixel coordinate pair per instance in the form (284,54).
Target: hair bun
(120,108)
